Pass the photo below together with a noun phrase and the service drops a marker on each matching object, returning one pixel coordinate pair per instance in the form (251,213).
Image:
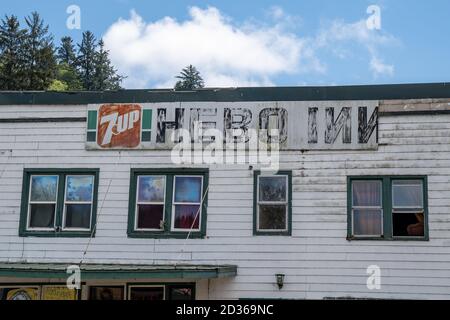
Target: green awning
(117,271)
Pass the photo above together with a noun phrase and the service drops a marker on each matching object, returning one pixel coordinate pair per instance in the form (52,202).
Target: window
(60,202)
(176,291)
(168,203)
(106,293)
(272,203)
(392,208)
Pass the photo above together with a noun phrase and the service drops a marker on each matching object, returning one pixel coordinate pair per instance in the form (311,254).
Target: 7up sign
(115,126)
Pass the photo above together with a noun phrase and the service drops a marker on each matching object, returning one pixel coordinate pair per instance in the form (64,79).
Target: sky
(260,42)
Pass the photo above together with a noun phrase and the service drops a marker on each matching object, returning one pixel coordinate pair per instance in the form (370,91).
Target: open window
(388,207)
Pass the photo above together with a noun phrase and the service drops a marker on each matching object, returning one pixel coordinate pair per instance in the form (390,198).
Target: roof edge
(307,93)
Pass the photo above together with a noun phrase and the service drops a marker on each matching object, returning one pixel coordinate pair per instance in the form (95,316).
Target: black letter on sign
(334,127)
(236,118)
(312,125)
(281,119)
(162,124)
(365,129)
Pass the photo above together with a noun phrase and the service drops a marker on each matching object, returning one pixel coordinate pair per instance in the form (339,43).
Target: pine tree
(105,75)
(86,60)
(12,39)
(66,51)
(190,79)
(40,61)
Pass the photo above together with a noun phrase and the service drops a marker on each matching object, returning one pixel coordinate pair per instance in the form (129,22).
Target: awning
(117,271)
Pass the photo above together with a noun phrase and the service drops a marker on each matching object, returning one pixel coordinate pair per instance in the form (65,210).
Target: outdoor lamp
(280,280)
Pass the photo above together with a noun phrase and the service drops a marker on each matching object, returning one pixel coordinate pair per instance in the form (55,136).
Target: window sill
(352,238)
(165,235)
(61,234)
(277,233)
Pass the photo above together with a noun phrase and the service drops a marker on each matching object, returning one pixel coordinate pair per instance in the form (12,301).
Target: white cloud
(339,36)
(225,54)
(228,54)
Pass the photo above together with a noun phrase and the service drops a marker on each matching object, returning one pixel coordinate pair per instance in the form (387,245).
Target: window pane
(408,224)
(151,189)
(272,188)
(180,293)
(78,216)
(79,188)
(43,188)
(407,193)
(188,189)
(366,193)
(272,217)
(148,293)
(42,215)
(150,216)
(185,215)
(367,222)
(106,293)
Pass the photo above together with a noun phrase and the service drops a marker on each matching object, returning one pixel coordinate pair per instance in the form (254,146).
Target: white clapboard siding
(317,259)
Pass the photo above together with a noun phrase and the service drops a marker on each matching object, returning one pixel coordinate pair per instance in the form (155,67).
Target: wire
(99,212)
(192,225)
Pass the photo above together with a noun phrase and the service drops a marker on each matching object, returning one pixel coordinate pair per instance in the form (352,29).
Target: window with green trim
(58,202)
(272,203)
(168,203)
(388,207)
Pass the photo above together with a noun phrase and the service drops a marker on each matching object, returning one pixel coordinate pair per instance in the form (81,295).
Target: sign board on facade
(294,125)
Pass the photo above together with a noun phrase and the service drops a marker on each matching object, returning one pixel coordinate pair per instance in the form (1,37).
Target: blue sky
(249,43)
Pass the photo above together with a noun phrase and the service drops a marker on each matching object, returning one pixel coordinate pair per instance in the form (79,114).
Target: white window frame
(136,215)
(200,204)
(407,209)
(64,228)
(285,203)
(380,207)
(42,202)
(146,286)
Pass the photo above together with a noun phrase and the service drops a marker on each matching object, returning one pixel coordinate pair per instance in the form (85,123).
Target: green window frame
(60,202)
(287,202)
(166,228)
(387,208)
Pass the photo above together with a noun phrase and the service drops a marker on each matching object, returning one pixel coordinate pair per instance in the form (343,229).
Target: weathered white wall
(317,259)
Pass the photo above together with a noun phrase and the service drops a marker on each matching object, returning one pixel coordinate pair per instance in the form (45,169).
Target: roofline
(313,93)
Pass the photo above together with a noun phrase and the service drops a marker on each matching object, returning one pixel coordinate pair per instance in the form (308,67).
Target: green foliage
(66,52)
(69,76)
(58,85)
(190,79)
(105,75)
(29,60)
(12,61)
(40,61)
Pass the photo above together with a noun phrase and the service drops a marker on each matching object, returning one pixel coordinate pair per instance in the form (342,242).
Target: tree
(68,77)
(12,39)
(190,79)
(105,75)
(86,60)
(66,51)
(40,61)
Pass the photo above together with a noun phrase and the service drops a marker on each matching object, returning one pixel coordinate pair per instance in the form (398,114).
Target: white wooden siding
(317,259)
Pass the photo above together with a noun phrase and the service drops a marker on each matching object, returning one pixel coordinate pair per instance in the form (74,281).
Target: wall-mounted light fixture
(280,280)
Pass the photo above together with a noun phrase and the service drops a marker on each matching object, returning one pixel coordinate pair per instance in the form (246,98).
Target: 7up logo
(119,126)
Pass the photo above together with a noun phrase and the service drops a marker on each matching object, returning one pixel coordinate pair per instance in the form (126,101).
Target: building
(345,192)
